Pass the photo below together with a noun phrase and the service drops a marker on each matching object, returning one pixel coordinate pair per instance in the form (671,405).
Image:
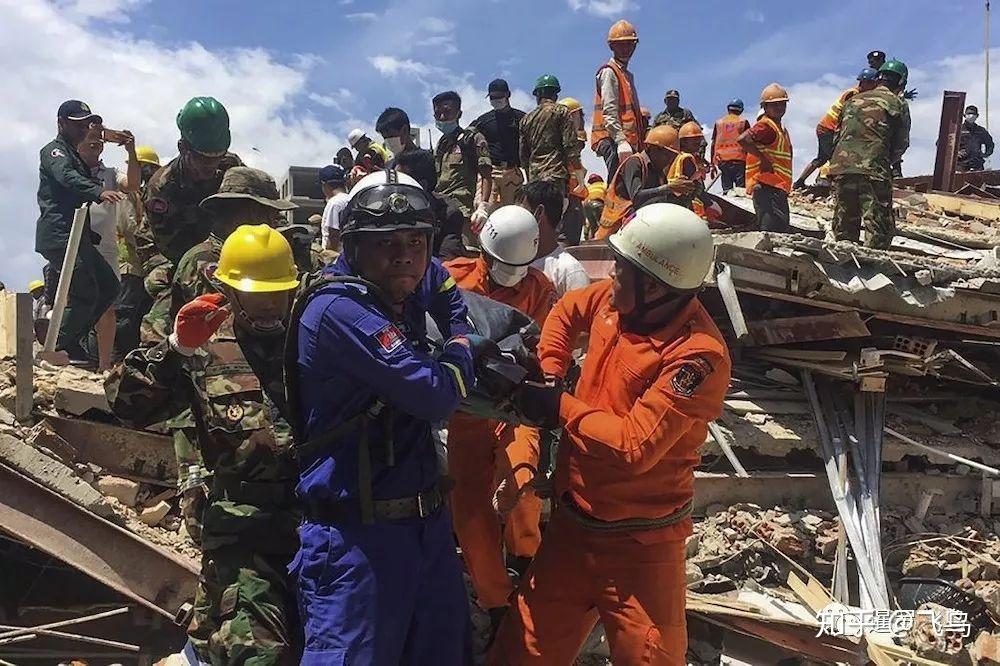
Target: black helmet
(387,200)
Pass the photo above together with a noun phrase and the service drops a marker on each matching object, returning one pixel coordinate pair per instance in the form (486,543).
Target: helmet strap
(637,321)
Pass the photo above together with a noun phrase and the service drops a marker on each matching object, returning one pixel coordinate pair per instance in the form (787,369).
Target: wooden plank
(961,205)
(24,398)
(804,354)
(8,324)
(834,326)
(810,591)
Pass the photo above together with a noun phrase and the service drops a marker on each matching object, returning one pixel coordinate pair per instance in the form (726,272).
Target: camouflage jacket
(874,133)
(458,159)
(675,119)
(230,397)
(192,275)
(173,222)
(549,145)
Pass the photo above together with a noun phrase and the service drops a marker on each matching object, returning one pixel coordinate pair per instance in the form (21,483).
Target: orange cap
(690,129)
(663,136)
(622,31)
(773,93)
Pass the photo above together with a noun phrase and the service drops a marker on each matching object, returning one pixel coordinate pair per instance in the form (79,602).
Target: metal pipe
(950,456)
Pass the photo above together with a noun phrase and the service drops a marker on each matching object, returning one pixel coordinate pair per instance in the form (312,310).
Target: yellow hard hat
(35,284)
(147,154)
(690,130)
(623,31)
(596,191)
(773,93)
(663,136)
(257,258)
(571,103)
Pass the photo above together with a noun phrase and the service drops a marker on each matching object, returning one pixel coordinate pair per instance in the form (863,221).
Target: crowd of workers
(323,467)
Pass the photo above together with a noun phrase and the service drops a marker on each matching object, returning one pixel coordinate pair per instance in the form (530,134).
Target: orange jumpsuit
(479,456)
(630,446)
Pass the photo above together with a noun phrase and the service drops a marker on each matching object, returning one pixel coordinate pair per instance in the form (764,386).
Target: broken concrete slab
(155,514)
(117,449)
(78,391)
(124,490)
(53,475)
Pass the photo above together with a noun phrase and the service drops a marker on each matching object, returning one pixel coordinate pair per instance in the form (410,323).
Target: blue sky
(297,76)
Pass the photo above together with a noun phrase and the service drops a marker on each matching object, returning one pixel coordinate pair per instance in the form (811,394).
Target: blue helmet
(735,103)
(868,74)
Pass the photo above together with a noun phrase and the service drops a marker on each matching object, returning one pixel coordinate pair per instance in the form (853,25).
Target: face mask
(507,275)
(446,126)
(394,144)
(499,104)
(971,118)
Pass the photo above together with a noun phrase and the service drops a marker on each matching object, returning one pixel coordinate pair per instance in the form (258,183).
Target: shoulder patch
(158,206)
(389,338)
(209,270)
(690,376)
(56,152)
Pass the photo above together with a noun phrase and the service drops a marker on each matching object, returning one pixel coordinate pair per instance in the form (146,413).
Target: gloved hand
(481,346)
(910,94)
(624,151)
(478,219)
(197,321)
(538,404)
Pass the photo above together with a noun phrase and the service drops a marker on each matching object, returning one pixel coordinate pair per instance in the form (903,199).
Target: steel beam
(947,142)
(111,555)
(119,449)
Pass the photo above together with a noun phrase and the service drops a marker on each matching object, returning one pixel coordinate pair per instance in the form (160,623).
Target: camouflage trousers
(245,610)
(863,202)
(156,325)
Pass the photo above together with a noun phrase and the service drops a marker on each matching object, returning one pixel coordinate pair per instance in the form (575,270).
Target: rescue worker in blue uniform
(379,581)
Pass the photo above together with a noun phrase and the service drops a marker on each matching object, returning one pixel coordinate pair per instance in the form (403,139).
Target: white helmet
(667,242)
(354,136)
(381,177)
(510,236)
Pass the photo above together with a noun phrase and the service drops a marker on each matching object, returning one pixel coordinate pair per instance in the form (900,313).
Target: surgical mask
(971,118)
(499,104)
(446,126)
(394,144)
(507,275)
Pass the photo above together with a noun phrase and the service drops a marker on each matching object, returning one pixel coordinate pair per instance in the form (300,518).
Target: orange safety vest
(617,207)
(727,131)
(629,111)
(780,154)
(830,122)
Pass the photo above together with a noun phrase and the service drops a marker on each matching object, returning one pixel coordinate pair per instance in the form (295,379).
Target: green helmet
(547,81)
(896,67)
(204,124)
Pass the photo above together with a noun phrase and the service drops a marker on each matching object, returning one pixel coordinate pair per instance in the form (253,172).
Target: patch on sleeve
(209,270)
(389,338)
(690,376)
(56,152)
(157,206)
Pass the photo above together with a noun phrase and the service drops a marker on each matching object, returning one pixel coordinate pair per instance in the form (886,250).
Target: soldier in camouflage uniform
(549,146)
(874,133)
(174,221)
(227,372)
(673,113)
(460,156)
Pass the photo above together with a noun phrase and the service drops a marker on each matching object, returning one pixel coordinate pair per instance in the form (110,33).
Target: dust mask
(394,144)
(507,275)
(500,104)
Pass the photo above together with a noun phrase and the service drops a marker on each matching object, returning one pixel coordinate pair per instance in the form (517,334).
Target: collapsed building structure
(857,461)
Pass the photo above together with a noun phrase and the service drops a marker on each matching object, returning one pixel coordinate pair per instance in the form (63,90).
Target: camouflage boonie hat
(242,182)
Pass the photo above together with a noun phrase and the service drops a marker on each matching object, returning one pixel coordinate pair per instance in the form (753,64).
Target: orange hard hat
(773,93)
(622,31)
(690,129)
(663,136)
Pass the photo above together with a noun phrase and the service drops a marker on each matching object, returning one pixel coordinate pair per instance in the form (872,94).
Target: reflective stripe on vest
(616,207)
(727,131)
(780,154)
(629,115)
(831,120)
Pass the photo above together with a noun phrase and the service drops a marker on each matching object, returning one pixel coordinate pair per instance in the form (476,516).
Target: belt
(625,524)
(420,505)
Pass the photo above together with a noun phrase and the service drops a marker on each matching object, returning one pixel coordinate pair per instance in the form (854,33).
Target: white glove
(624,151)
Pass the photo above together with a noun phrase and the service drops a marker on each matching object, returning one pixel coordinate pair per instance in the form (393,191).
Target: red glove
(198,320)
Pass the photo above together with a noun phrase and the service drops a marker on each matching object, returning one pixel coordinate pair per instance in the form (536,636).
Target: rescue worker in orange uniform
(660,173)
(655,374)
(769,162)
(619,127)
(828,125)
(479,458)
(691,140)
(728,156)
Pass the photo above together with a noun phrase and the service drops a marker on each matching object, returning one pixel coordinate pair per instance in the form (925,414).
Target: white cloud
(140,86)
(435,24)
(754,15)
(114,11)
(362,16)
(391,66)
(346,2)
(603,8)
(338,100)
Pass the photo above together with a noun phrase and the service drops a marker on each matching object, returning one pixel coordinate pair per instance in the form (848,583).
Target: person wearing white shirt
(545,201)
(333,180)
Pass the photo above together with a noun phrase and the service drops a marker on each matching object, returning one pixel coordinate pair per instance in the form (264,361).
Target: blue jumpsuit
(391,592)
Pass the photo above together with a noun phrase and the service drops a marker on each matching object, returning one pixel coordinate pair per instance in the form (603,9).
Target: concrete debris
(925,639)
(78,391)
(123,490)
(155,514)
(985,650)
